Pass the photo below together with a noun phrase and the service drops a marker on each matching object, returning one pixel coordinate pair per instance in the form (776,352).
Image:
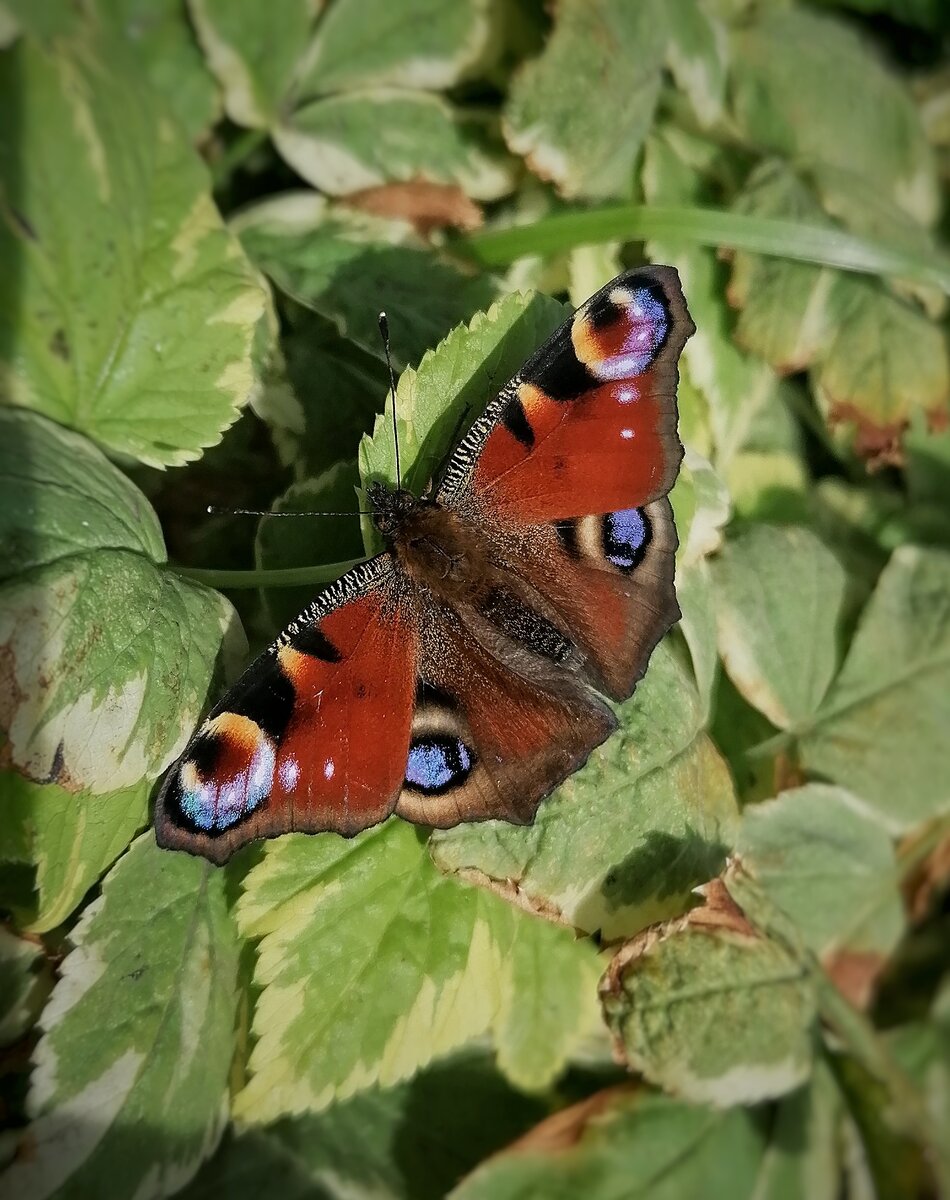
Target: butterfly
(461,674)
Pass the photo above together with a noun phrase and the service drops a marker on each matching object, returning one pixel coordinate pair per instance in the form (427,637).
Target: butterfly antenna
(384,334)
(257,512)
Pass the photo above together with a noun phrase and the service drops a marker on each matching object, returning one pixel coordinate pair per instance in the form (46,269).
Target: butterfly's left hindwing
(315,734)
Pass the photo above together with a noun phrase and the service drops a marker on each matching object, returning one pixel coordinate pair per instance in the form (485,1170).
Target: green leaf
(311,431)
(794,82)
(623,842)
(143,333)
(69,840)
(25,982)
(701,507)
(871,215)
(880,730)
(631,1144)
(253,55)
(413,44)
(60,498)
(786,310)
(697,53)
(886,361)
(710,1009)
(803,1152)
(453,383)
(348,111)
(738,730)
(347,266)
(770,486)
(737,387)
(363,139)
(928,465)
(929,14)
(163,40)
(102,705)
(44,22)
(108,656)
(589,269)
(876,359)
(850,521)
(778,594)
(250,1166)
(548,999)
(830,866)
(410,1142)
(372,964)
(154,963)
(589,149)
(698,626)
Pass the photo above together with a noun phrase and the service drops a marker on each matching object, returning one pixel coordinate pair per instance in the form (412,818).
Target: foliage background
(717,963)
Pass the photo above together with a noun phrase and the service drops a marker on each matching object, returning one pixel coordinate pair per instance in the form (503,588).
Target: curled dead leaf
(879,445)
(718,912)
(512,891)
(425,205)
(566,1128)
(787,773)
(928,878)
(855,974)
(938,420)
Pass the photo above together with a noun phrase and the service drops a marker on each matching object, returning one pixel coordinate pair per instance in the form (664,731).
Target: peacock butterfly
(459,675)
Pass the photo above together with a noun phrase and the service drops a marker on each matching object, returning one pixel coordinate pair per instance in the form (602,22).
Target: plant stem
(909,1112)
(823,245)
(282,577)
(234,154)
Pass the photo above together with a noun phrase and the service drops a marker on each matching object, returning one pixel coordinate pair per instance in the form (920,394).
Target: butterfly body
(460,674)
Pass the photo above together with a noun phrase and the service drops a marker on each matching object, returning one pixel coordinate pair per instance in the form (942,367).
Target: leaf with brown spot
(711,1009)
(875,357)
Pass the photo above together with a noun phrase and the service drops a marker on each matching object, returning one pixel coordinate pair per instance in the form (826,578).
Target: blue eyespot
(626,537)
(437,764)
(214,805)
(649,321)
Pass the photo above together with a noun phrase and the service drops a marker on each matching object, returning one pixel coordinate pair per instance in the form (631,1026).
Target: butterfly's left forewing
(315,734)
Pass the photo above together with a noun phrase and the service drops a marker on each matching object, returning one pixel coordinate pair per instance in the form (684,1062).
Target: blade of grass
(818,244)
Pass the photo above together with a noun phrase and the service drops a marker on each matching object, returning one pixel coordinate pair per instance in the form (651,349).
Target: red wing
(315,734)
(609,578)
(494,731)
(589,423)
(567,472)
